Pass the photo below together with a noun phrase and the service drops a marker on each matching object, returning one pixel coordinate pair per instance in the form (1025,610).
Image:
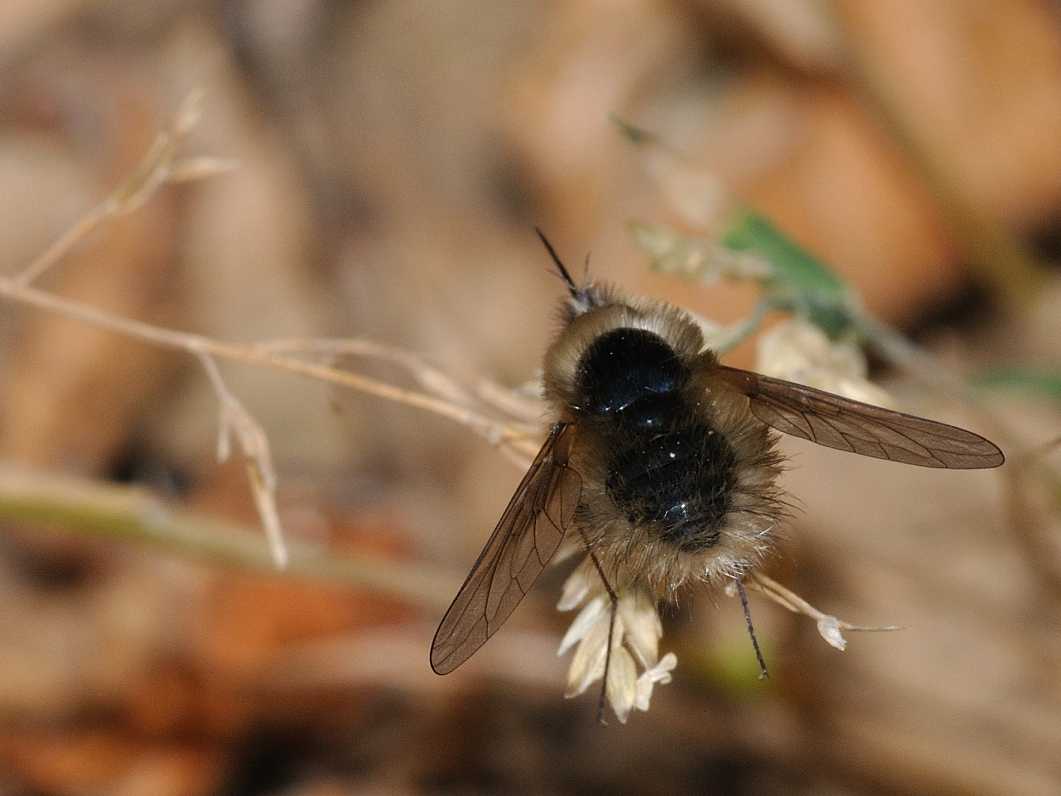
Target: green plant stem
(123,514)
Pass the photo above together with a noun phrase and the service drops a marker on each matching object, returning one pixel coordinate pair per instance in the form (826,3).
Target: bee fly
(662,462)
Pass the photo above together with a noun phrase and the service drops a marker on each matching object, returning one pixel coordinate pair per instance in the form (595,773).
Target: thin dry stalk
(159,166)
(162,165)
(499,433)
(829,626)
(430,377)
(235,419)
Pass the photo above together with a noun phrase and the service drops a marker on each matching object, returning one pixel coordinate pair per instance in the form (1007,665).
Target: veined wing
(848,425)
(525,539)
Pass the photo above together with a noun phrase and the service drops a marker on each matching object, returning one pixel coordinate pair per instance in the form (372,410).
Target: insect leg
(614,600)
(763,673)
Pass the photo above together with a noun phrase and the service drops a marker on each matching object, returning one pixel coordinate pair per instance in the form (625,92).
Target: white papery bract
(635,666)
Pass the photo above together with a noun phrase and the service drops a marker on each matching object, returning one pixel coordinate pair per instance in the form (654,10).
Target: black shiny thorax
(667,469)
(624,366)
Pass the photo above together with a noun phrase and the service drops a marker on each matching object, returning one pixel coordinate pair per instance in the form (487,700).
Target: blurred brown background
(394,158)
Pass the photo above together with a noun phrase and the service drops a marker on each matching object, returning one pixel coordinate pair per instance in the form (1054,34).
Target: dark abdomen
(675,482)
(668,470)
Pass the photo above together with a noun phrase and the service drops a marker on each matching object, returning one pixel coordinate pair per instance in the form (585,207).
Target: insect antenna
(611,630)
(763,673)
(572,288)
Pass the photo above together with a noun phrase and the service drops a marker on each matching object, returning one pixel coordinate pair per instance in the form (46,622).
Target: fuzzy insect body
(678,480)
(662,462)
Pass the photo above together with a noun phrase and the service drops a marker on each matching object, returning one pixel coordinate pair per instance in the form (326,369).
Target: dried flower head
(635,642)
(799,351)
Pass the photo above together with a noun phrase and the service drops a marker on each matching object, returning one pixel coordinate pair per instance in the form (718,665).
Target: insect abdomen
(669,472)
(676,483)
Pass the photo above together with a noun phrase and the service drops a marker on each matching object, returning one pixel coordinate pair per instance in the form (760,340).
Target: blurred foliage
(1046,383)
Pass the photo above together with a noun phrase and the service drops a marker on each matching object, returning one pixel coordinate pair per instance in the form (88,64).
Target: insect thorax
(668,470)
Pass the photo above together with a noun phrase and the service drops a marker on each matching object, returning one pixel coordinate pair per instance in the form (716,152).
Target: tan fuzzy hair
(634,555)
(606,310)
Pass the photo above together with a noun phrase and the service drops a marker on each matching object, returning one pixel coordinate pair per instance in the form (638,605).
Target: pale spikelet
(635,667)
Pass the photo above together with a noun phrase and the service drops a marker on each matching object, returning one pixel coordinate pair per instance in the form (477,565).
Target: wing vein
(516,553)
(852,426)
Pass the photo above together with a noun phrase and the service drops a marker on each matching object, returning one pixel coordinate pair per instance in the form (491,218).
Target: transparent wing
(847,425)
(521,545)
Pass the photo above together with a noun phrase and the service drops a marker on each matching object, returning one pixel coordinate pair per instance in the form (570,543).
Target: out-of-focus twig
(517,441)
(121,513)
(252,439)
(498,433)
(522,402)
(430,377)
(159,166)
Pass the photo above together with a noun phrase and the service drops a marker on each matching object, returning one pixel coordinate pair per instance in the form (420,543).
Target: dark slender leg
(763,674)
(611,632)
